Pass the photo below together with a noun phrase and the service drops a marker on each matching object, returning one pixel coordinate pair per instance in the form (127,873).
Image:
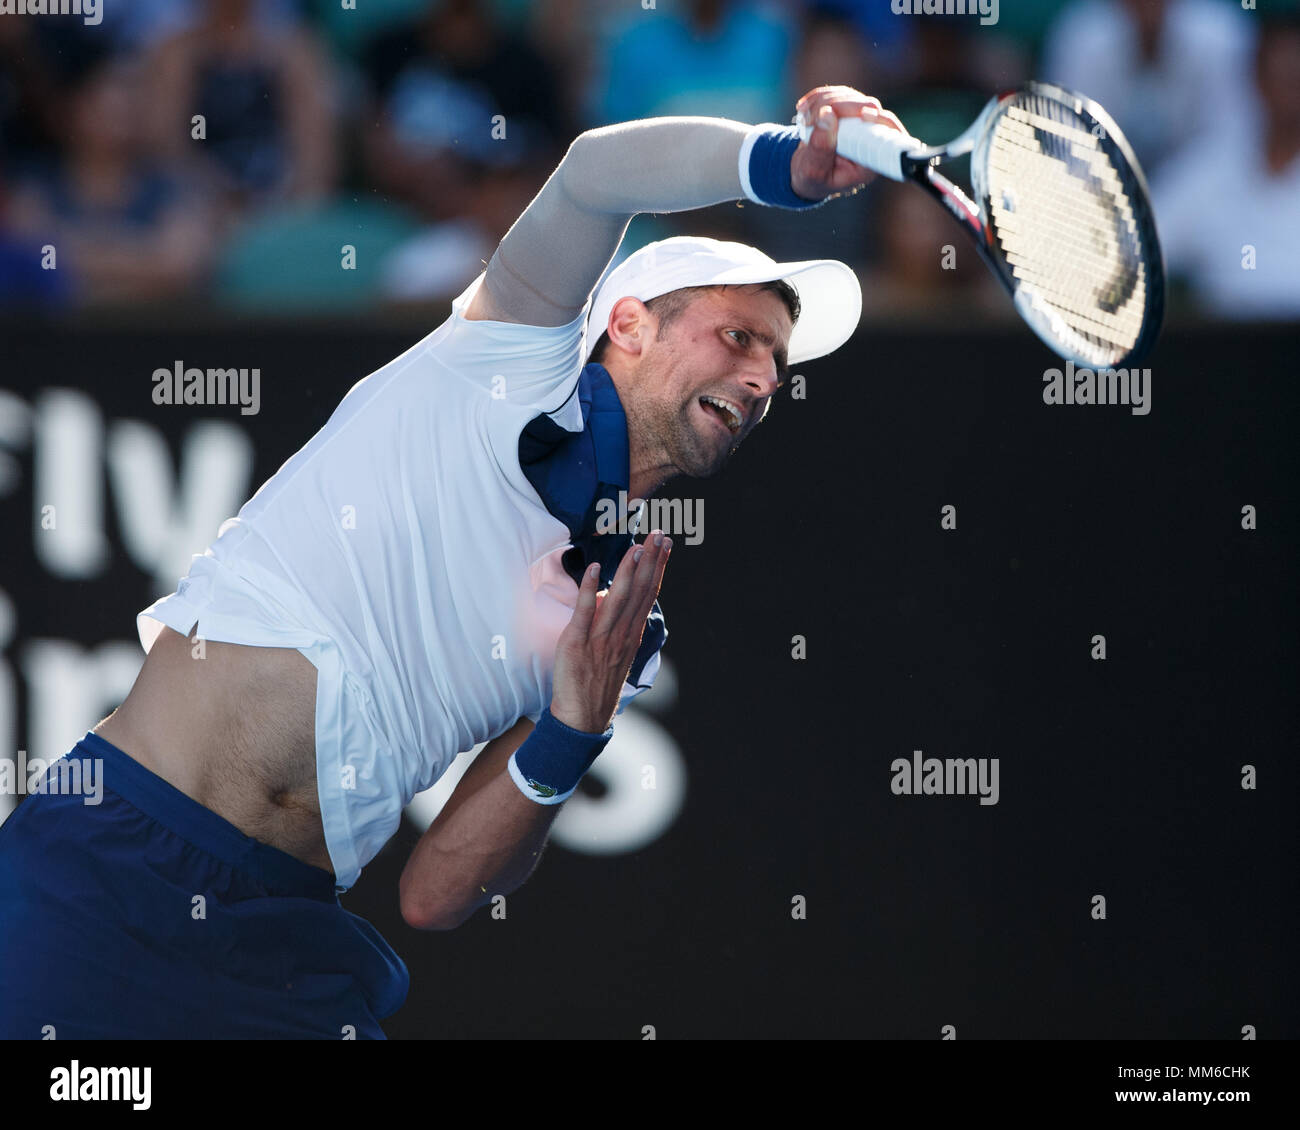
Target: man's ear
(631,324)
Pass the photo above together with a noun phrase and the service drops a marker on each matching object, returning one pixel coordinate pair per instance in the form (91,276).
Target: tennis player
(424,575)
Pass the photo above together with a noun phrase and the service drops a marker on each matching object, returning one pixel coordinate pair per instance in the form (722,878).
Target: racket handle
(872,145)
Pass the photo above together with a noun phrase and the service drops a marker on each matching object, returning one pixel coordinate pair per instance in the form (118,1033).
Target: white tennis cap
(830,298)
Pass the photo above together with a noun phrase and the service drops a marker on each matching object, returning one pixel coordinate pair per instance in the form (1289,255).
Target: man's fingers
(840,101)
(883,117)
(635,587)
(607,615)
(627,584)
(826,133)
(844,95)
(585,610)
(822,109)
(657,577)
(645,585)
(622,580)
(826,126)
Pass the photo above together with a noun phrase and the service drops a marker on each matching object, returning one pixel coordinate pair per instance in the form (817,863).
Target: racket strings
(1076,242)
(1067,227)
(1083,224)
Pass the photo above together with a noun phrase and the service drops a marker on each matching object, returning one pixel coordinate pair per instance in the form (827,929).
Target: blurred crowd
(313,156)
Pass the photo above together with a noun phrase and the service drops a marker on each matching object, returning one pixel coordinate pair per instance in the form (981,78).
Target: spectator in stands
(1228,209)
(25,283)
(873,24)
(29,97)
(444,256)
(955,65)
(264,93)
(924,265)
(728,58)
(121,228)
(467,121)
(1165,70)
(831,50)
(573,36)
(457,96)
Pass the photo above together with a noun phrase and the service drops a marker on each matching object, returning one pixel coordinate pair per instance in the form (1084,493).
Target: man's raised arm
(551,259)
(549,262)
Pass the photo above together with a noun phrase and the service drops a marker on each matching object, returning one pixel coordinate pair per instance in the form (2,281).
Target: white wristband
(534,792)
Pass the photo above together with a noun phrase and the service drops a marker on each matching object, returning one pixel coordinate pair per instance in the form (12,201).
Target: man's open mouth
(728,414)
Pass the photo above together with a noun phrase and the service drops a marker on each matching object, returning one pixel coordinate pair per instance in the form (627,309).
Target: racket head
(1068,225)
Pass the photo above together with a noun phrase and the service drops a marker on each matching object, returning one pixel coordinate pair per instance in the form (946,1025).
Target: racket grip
(871,145)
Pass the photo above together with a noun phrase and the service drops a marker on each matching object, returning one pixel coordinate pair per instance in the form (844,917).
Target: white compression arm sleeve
(551,259)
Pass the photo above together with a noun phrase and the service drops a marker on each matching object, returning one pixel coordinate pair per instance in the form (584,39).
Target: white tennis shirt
(404,552)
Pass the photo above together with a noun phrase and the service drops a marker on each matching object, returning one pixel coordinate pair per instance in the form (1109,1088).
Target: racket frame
(919,164)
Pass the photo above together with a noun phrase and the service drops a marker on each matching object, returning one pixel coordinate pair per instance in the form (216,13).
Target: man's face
(705,379)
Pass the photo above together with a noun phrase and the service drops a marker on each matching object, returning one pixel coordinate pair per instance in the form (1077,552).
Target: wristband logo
(540,789)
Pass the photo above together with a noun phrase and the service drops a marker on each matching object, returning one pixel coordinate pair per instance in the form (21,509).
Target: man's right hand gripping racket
(1061,215)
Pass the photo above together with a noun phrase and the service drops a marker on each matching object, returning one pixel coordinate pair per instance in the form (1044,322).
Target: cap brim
(830,301)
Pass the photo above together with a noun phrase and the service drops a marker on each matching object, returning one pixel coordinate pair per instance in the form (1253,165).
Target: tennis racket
(1061,215)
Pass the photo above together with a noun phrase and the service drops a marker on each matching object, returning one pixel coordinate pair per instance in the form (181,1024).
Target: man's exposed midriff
(234,728)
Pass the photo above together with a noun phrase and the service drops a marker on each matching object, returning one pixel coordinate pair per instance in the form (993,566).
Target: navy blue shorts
(148,916)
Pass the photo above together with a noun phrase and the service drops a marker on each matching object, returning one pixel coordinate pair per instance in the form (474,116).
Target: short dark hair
(669,307)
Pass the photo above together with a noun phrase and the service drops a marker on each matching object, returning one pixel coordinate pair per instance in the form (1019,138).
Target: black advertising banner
(977,719)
